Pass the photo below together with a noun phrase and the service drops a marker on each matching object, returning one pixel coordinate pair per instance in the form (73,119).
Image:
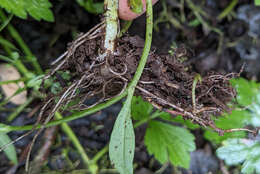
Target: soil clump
(166,82)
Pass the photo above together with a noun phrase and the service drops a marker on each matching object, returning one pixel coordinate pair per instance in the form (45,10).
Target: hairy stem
(111,19)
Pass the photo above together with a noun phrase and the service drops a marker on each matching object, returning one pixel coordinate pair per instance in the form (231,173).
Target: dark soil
(166,81)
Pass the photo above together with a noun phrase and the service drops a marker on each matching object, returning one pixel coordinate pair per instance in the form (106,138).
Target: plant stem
(142,62)
(111,18)
(147,46)
(197,79)
(80,114)
(18,110)
(156,114)
(100,154)
(65,127)
(76,115)
(6,100)
(17,62)
(7,43)
(20,66)
(6,22)
(126,26)
(6,59)
(29,55)
(227,10)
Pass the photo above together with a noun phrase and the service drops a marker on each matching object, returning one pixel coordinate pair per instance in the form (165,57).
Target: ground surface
(49,40)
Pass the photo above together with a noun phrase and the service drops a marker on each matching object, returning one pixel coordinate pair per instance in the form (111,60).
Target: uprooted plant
(104,68)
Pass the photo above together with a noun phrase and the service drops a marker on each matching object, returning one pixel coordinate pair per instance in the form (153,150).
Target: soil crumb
(166,82)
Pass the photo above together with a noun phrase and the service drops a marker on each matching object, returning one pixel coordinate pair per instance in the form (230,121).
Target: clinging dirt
(166,82)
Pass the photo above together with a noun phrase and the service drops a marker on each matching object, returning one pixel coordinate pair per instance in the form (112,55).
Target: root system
(166,82)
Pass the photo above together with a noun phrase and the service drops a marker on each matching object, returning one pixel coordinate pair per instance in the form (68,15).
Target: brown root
(166,82)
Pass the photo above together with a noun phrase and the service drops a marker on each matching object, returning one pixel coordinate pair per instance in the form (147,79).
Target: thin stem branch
(65,127)
(29,55)
(74,116)
(227,10)
(18,110)
(126,26)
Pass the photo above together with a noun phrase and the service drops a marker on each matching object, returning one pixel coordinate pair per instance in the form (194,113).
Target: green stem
(6,22)
(197,79)
(77,115)
(6,100)
(12,81)
(227,10)
(18,110)
(6,59)
(198,12)
(20,66)
(29,55)
(111,19)
(156,114)
(126,26)
(147,46)
(7,43)
(65,127)
(100,154)
(15,61)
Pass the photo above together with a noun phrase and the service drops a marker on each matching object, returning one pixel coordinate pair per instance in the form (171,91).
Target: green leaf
(35,82)
(91,6)
(122,141)
(252,164)
(237,119)
(246,90)
(136,6)
(254,110)
(236,151)
(14,6)
(169,143)
(233,152)
(38,9)
(257,2)
(179,119)
(4,128)
(10,150)
(140,109)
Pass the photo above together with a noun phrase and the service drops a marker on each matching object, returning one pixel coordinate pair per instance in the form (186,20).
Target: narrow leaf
(10,150)
(122,141)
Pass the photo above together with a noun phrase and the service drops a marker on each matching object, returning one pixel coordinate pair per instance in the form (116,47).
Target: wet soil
(166,82)
(165,76)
